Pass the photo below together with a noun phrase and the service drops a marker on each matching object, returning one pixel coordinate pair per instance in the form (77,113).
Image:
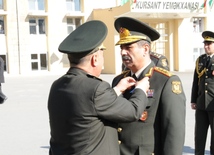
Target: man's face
(209,47)
(132,55)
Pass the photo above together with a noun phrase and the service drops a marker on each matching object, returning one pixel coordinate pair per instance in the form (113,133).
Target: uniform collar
(138,73)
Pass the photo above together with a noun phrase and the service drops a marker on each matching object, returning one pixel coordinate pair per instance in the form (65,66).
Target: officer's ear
(94,59)
(146,48)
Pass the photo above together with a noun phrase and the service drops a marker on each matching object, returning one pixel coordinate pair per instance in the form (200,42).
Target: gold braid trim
(197,70)
(126,73)
(163,71)
(149,74)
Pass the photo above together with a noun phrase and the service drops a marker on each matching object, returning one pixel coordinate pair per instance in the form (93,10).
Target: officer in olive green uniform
(83,109)
(161,129)
(202,98)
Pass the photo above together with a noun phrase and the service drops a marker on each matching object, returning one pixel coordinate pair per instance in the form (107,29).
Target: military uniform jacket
(84,112)
(163,132)
(1,70)
(203,84)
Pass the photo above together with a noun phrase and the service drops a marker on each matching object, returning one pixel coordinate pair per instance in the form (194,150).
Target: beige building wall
(18,45)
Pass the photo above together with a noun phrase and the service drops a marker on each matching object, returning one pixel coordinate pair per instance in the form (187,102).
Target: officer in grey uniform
(161,129)
(202,98)
(83,109)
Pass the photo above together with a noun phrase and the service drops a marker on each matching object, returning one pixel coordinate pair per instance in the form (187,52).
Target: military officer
(83,109)
(202,98)
(161,129)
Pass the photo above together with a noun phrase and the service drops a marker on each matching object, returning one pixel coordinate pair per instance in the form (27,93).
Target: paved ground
(24,126)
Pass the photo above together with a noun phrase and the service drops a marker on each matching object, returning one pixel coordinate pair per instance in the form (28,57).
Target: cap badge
(208,38)
(124,32)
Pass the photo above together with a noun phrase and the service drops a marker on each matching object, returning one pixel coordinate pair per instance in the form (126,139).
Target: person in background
(202,96)
(158,59)
(3,97)
(161,129)
(84,110)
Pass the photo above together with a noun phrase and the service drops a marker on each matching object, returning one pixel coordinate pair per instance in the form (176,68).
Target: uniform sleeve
(118,109)
(172,113)
(194,92)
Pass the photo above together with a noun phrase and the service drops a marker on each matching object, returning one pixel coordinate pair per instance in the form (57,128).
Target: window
(1,4)
(38,61)
(198,25)
(197,52)
(73,5)
(73,23)
(36,4)
(1,24)
(37,26)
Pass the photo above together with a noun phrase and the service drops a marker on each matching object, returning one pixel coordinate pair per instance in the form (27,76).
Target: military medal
(150,93)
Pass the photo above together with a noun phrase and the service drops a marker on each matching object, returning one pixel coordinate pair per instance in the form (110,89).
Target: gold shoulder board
(157,55)
(163,71)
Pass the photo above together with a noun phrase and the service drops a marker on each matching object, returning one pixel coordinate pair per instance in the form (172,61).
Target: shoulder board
(163,71)
(94,77)
(156,55)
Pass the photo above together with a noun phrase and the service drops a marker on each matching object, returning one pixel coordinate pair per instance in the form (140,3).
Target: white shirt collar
(137,74)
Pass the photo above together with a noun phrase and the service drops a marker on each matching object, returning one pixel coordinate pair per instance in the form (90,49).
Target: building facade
(31,30)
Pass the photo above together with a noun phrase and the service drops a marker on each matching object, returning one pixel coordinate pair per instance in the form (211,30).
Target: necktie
(208,61)
(134,76)
(127,94)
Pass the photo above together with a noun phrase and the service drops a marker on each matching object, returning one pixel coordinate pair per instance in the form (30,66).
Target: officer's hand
(124,84)
(193,106)
(143,84)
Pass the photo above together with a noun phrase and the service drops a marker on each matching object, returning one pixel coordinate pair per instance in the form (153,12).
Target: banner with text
(166,6)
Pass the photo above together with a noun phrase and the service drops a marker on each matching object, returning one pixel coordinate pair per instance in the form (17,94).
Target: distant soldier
(2,96)
(202,98)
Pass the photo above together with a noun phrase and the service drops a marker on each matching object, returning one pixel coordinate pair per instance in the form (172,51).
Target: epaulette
(156,55)
(163,71)
(94,77)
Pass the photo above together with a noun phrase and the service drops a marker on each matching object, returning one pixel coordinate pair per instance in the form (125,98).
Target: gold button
(205,91)
(205,84)
(119,142)
(119,129)
(206,77)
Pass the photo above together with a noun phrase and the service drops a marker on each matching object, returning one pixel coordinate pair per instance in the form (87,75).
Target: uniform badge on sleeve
(176,87)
